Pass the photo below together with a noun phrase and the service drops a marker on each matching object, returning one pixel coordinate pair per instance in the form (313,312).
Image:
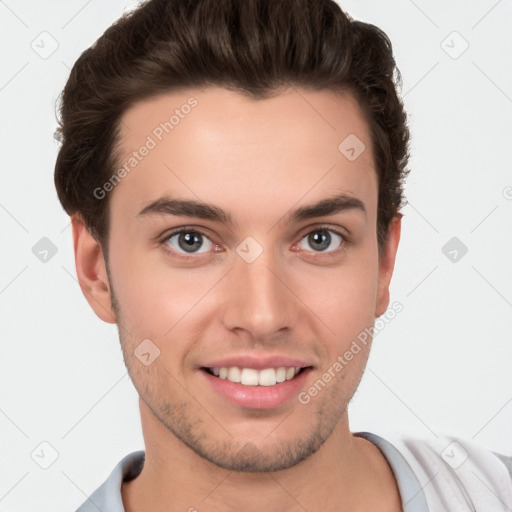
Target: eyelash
(344,241)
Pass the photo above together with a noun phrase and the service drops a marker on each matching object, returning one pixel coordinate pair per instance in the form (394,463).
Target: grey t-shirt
(107,497)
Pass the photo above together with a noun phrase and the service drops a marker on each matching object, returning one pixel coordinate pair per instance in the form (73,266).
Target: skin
(257,160)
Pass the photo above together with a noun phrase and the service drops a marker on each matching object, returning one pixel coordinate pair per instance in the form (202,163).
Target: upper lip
(257,362)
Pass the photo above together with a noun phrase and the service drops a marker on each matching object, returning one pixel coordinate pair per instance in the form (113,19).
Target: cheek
(345,297)
(347,307)
(155,299)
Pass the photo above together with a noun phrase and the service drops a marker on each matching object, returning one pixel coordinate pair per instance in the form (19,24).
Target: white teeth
(252,377)
(281,374)
(234,374)
(267,377)
(249,377)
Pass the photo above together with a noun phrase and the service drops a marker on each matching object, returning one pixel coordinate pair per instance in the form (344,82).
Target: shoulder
(507,461)
(108,495)
(459,474)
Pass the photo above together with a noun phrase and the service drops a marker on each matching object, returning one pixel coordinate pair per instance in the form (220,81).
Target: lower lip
(258,397)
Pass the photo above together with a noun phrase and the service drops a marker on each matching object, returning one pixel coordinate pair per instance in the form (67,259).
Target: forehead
(216,145)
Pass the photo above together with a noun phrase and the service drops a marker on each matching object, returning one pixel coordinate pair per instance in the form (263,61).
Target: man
(234,173)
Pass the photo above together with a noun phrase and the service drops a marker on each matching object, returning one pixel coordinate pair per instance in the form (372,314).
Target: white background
(442,366)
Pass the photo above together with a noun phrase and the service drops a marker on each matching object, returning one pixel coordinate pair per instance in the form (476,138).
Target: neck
(346,473)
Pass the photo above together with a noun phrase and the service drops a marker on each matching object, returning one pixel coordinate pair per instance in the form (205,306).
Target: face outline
(290,301)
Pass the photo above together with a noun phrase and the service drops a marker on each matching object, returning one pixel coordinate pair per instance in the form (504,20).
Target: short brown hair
(254,47)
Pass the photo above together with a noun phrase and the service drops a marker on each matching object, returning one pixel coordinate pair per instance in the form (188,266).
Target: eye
(320,240)
(189,242)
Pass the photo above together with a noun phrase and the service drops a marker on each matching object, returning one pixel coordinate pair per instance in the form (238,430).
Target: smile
(253,377)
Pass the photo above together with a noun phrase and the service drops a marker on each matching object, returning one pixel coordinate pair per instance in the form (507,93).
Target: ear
(91,270)
(387,264)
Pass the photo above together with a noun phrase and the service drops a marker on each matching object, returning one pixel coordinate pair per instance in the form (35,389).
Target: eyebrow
(190,208)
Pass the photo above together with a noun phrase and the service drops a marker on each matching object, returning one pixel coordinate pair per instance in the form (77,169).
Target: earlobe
(91,270)
(387,264)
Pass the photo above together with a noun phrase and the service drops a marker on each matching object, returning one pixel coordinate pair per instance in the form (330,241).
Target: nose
(259,300)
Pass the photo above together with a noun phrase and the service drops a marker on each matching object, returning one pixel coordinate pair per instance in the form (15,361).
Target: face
(243,245)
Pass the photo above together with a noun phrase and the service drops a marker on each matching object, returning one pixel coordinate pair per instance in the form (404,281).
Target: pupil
(189,240)
(323,238)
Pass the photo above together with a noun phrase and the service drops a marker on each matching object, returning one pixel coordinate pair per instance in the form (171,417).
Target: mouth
(254,377)
(257,380)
